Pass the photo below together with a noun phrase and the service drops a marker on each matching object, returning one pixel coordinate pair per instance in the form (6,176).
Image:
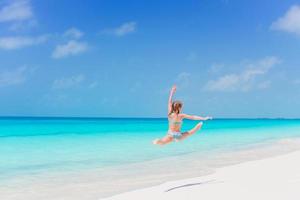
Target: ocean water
(33,148)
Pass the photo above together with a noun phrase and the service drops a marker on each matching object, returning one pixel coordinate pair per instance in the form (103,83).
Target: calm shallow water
(38,148)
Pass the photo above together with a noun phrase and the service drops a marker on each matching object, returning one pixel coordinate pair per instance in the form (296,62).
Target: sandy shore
(251,172)
(276,178)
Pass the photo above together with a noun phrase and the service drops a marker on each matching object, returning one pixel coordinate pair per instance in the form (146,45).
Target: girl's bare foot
(155,141)
(199,125)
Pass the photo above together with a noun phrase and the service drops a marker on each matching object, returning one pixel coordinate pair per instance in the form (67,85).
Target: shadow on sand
(189,185)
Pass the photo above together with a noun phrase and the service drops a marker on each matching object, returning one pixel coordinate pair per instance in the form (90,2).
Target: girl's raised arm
(170,98)
(194,117)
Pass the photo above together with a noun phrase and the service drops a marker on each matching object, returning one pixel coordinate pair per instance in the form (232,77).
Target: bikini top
(173,122)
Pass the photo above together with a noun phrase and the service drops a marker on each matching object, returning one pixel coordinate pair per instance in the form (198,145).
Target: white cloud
(18,14)
(289,22)
(23,25)
(14,77)
(124,29)
(73,33)
(10,43)
(245,80)
(226,82)
(71,48)
(70,82)
(16,10)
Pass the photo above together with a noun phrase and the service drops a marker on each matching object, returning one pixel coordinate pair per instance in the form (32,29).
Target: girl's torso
(175,122)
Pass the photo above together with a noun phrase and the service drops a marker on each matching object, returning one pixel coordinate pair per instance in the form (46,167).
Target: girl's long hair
(176,106)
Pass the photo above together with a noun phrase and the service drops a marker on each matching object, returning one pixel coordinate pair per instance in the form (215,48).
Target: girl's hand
(173,88)
(208,118)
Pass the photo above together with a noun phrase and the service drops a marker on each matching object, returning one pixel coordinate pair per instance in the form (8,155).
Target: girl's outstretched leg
(192,131)
(163,141)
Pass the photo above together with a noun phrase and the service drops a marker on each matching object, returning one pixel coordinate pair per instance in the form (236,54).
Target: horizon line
(87,117)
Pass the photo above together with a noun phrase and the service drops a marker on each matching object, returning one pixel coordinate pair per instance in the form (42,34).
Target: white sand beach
(276,178)
(262,171)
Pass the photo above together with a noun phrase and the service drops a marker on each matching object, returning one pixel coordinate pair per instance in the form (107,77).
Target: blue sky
(120,58)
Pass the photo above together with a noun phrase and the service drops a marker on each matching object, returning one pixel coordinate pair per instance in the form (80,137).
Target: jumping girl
(175,118)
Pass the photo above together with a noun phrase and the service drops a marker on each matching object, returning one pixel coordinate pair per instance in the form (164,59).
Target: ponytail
(175,108)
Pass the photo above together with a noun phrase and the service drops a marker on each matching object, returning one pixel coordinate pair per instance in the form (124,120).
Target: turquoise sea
(35,147)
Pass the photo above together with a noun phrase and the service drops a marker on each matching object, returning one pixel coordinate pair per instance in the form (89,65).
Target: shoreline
(276,177)
(101,183)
